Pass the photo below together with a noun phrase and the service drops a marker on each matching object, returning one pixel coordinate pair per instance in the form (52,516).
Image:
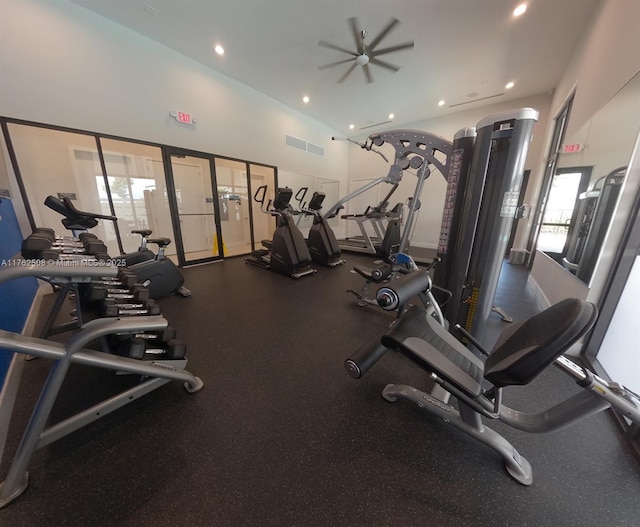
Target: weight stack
(457,179)
(487,213)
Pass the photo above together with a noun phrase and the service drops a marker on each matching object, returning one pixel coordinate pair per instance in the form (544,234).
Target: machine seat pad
(526,349)
(419,336)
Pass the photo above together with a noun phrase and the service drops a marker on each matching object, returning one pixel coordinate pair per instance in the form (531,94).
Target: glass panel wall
(138,188)
(263,224)
(202,196)
(54,162)
(235,206)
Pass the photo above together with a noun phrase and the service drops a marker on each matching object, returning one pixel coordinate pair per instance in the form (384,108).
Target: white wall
(607,57)
(64,65)
(367,165)
(608,137)
(553,282)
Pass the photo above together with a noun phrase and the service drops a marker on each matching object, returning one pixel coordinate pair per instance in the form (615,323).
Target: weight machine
(414,150)
(521,353)
(483,185)
(595,210)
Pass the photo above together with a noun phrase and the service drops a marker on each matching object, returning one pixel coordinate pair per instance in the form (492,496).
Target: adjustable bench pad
(435,349)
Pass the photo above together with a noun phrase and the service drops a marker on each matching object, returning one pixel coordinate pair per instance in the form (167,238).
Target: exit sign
(183,117)
(572,149)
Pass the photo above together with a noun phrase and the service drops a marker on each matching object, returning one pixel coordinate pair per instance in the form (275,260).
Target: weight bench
(522,352)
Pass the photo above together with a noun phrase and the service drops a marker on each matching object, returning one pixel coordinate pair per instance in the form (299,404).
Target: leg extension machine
(522,352)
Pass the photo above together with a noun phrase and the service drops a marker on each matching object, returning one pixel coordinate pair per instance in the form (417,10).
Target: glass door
(193,203)
(559,215)
(557,140)
(235,206)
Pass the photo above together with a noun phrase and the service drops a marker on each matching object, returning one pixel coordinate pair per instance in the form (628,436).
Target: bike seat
(160,242)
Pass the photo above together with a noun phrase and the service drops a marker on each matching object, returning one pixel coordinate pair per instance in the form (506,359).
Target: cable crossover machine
(414,150)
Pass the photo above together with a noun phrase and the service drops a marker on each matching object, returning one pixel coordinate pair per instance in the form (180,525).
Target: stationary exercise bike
(522,352)
(156,272)
(286,253)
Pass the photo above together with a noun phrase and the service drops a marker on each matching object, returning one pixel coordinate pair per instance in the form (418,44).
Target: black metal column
(488,210)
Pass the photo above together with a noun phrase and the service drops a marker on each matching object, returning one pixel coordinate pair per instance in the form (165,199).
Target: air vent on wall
(476,100)
(315,149)
(303,145)
(375,124)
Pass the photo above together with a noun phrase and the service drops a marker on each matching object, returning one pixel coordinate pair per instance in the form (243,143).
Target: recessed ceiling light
(305,99)
(391,116)
(509,85)
(219,49)
(352,126)
(441,103)
(520,10)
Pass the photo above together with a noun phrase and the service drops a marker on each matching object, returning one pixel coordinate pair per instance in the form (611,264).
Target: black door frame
(555,148)
(585,178)
(167,153)
(6,135)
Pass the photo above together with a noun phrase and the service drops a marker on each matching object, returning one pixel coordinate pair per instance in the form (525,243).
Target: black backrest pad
(523,352)
(56,204)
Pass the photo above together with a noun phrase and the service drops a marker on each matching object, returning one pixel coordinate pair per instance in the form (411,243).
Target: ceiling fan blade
(329,45)
(367,73)
(334,64)
(391,49)
(347,73)
(357,34)
(387,65)
(385,31)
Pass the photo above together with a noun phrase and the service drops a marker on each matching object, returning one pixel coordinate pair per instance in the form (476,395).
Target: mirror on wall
(589,177)
(298,183)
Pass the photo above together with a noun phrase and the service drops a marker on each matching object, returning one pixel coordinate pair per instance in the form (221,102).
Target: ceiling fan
(366,54)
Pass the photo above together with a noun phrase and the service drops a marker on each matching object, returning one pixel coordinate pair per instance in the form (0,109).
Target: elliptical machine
(322,243)
(286,253)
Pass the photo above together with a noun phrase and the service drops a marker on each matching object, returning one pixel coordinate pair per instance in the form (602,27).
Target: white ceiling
(465,50)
